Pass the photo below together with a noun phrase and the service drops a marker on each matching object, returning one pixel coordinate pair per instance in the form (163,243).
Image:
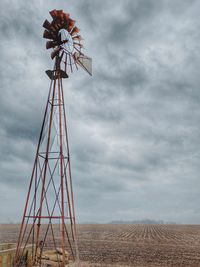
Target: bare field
(132,245)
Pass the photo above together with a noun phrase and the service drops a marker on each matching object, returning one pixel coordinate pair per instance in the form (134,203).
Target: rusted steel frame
(51,180)
(34,208)
(50,103)
(54,217)
(67,188)
(45,168)
(30,185)
(34,222)
(51,216)
(51,146)
(47,217)
(69,201)
(56,158)
(57,194)
(35,216)
(51,152)
(61,174)
(49,224)
(24,231)
(30,213)
(41,156)
(61,213)
(69,168)
(23,220)
(68,149)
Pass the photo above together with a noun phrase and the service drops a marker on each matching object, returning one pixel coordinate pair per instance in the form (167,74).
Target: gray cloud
(133,127)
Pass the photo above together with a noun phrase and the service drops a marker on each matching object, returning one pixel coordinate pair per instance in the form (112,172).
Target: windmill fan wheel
(63,38)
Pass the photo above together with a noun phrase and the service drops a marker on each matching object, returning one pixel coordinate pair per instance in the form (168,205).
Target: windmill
(48,222)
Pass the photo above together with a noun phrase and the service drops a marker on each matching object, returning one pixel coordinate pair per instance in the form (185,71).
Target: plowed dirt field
(132,245)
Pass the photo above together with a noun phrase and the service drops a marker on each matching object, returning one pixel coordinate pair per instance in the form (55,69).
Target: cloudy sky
(134,127)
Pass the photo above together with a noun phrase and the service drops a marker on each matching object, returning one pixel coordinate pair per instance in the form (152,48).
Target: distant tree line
(144,221)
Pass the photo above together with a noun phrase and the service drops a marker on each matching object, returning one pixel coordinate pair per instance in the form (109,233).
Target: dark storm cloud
(134,126)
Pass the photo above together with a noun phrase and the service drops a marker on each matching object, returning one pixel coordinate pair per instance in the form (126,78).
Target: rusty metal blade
(58,24)
(71,24)
(66,16)
(77,37)
(75,31)
(47,25)
(60,13)
(53,13)
(48,35)
(51,44)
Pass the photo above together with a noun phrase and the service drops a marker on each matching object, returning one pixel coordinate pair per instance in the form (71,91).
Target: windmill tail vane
(48,232)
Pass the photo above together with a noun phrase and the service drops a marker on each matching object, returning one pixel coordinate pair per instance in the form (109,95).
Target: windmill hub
(67,41)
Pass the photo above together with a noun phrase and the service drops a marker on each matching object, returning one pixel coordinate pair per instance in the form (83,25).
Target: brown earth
(132,245)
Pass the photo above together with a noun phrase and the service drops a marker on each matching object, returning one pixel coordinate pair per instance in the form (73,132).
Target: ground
(132,245)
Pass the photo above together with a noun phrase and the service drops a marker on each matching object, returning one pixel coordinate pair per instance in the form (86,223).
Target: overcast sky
(134,127)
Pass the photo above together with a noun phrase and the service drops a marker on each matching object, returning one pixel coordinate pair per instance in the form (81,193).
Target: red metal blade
(78,37)
(47,25)
(66,16)
(75,31)
(51,44)
(48,35)
(53,13)
(60,13)
(71,24)
(58,24)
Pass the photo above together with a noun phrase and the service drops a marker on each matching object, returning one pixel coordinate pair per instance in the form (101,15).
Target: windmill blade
(84,61)
(60,13)
(48,35)
(53,13)
(75,31)
(51,44)
(58,24)
(71,24)
(47,25)
(66,16)
(77,37)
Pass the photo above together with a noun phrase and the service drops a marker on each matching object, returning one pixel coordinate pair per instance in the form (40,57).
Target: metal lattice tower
(49,217)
